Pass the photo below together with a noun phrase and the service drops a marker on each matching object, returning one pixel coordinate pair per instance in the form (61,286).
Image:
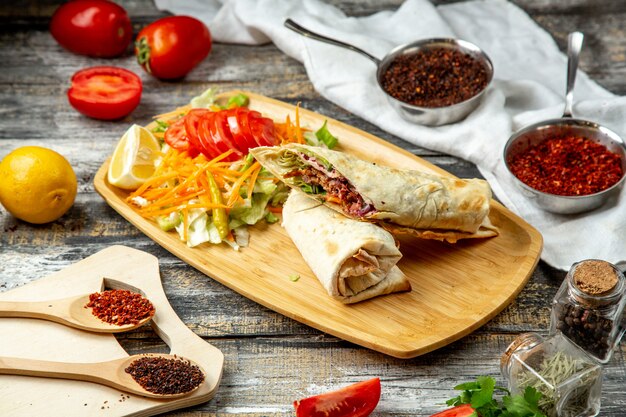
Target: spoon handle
(36,310)
(574,46)
(91,372)
(290,24)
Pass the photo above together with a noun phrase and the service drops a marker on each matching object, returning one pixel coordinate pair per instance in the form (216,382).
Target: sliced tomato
(176,137)
(235,120)
(356,400)
(464,410)
(209,148)
(262,129)
(105,92)
(192,119)
(222,137)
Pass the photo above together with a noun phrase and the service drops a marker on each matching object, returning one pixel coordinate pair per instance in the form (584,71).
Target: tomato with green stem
(169,48)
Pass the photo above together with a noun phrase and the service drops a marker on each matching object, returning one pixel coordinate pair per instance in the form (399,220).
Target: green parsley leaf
(324,136)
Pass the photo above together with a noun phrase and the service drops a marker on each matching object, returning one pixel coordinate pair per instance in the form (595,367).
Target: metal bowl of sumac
(435,81)
(567,165)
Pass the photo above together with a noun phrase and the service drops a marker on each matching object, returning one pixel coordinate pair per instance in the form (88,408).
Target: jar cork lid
(595,277)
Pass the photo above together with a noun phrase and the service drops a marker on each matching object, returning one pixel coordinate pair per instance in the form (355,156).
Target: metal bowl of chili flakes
(567,165)
(435,81)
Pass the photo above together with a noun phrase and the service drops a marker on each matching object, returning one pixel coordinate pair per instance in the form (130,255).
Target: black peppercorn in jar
(588,307)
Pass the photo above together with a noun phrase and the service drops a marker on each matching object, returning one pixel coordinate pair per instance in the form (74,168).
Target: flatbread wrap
(353,260)
(403,201)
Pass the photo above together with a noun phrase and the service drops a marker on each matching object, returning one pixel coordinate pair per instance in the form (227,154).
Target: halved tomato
(464,410)
(105,92)
(356,400)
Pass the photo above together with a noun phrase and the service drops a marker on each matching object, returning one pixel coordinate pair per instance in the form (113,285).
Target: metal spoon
(566,125)
(429,116)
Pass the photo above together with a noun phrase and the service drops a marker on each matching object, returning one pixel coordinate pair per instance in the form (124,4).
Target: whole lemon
(37,185)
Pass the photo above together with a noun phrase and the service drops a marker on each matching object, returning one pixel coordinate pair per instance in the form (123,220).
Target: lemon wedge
(134,158)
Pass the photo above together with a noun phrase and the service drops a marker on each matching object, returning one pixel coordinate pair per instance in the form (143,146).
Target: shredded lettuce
(322,137)
(271,218)
(197,232)
(204,100)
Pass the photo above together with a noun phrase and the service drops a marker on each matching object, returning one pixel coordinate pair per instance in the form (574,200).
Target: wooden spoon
(111,373)
(68,311)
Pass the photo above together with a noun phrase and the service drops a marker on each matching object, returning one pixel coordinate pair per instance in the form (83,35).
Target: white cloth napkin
(528,86)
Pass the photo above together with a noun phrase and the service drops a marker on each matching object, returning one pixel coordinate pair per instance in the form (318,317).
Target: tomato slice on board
(234,119)
(222,137)
(356,400)
(464,410)
(191,124)
(105,92)
(177,138)
(209,149)
(262,129)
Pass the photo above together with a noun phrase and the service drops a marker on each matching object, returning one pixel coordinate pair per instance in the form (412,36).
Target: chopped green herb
(479,395)
(294,277)
(161,126)
(324,136)
(247,162)
(239,100)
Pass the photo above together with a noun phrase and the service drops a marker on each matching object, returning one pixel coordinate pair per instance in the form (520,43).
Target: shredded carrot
(179,183)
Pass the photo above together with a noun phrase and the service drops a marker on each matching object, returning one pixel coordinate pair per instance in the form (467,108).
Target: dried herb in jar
(120,307)
(161,375)
(435,77)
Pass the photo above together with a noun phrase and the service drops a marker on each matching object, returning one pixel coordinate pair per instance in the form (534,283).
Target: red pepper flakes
(120,307)
(165,375)
(568,165)
(434,77)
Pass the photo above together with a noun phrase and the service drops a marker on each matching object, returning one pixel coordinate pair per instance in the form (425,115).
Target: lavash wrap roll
(403,201)
(353,260)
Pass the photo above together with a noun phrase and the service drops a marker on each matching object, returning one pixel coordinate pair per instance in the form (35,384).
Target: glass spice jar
(569,380)
(588,307)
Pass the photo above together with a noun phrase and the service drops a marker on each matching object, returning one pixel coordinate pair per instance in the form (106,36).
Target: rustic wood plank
(271,360)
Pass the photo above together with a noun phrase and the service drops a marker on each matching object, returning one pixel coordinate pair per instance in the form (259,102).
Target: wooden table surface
(270,360)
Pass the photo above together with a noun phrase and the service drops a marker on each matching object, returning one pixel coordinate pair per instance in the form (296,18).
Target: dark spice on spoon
(435,77)
(120,307)
(161,375)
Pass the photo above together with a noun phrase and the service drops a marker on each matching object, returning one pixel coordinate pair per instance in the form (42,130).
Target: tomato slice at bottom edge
(356,400)
(464,410)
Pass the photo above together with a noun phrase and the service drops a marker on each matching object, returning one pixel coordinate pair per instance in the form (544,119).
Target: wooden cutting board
(37,339)
(456,287)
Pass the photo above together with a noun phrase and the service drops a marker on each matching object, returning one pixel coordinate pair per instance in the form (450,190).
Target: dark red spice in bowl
(569,165)
(161,375)
(435,77)
(120,307)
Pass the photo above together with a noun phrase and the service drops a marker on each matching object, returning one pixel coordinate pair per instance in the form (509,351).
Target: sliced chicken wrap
(403,201)
(353,260)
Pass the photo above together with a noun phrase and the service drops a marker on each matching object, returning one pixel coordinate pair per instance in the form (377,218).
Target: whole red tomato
(97,28)
(172,46)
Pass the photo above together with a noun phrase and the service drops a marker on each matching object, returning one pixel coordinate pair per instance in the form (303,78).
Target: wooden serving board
(456,287)
(124,268)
